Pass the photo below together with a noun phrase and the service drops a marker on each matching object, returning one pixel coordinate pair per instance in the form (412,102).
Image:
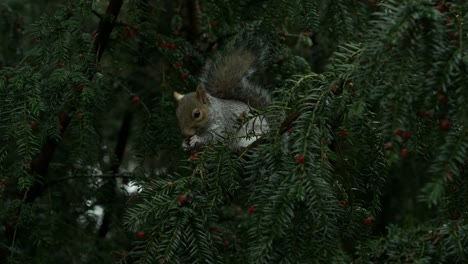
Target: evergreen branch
(285,126)
(40,165)
(87,176)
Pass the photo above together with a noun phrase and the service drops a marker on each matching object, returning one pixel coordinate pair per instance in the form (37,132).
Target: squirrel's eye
(196,114)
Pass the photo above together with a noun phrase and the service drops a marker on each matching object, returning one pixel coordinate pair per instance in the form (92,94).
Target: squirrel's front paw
(191,142)
(186,144)
(195,141)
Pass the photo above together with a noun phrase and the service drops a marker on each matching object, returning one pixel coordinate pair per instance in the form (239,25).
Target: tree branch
(285,126)
(40,165)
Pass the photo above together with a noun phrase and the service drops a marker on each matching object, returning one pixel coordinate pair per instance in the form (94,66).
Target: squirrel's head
(193,113)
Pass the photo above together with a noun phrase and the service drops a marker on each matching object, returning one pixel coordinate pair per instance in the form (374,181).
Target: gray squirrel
(220,105)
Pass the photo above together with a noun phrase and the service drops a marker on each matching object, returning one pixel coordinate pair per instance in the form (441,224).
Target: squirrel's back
(227,76)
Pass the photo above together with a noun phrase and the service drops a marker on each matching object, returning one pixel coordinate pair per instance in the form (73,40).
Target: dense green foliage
(366,161)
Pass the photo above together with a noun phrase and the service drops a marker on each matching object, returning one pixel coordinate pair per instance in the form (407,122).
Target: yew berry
(251,210)
(128,33)
(225,244)
(333,90)
(388,146)
(404,153)
(33,125)
(182,199)
(141,234)
(399,132)
(442,99)
(445,124)
(344,133)
(193,156)
(343,203)
(213,24)
(183,76)
(136,99)
(80,88)
(299,159)
(368,221)
(408,134)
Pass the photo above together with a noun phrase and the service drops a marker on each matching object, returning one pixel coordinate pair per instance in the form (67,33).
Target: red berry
(80,88)
(404,153)
(213,24)
(344,133)
(454,35)
(214,230)
(178,64)
(225,244)
(79,116)
(448,22)
(136,99)
(442,99)
(60,65)
(290,130)
(182,199)
(368,221)
(141,234)
(299,159)
(343,203)
(388,146)
(193,156)
(399,132)
(94,33)
(172,46)
(251,210)
(238,209)
(445,124)
(333,90)
(129,33)
(372,2)
(440,8)
(183,76)
(408,134)
(33,125)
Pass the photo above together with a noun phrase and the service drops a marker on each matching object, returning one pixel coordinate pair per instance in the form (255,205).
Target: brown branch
(195,16)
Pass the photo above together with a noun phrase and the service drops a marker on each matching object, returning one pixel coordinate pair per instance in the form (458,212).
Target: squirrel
(222,100)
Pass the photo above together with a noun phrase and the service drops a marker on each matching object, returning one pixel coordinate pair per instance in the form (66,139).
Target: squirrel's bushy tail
(227,76)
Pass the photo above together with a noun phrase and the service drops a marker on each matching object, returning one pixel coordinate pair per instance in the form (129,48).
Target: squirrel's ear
(178,96)
(201,94)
